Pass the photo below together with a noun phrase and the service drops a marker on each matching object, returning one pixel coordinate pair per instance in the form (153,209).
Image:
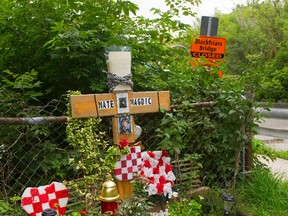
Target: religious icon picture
(124,123)
(122,102)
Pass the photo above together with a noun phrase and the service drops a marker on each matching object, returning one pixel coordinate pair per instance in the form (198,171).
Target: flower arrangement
(157,171)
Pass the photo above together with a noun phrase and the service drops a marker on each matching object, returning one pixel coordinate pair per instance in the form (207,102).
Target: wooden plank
(164,100)
(106,104)
(143,102)
(125,189)
(83,106)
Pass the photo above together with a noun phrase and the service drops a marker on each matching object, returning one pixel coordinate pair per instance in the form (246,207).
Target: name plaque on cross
(97,105)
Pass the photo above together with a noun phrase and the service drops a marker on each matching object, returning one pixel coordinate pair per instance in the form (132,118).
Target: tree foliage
(64,40)
(257,40)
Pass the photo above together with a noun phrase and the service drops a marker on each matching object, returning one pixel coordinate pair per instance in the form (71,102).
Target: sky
(206,8)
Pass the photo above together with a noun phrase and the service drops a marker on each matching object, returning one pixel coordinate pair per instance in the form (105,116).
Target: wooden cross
(119,105)
(122,103)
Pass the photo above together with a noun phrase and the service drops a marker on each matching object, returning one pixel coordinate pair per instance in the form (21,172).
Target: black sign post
(209,26)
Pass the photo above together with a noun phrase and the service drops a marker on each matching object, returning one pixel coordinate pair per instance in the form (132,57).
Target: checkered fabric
(36,200)
(128,164)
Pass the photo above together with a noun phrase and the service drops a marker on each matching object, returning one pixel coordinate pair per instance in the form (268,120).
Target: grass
(281,154)
(260,148)
(263,194)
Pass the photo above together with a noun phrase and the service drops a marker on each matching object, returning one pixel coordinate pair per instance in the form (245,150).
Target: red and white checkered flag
(36,200)
(128,164)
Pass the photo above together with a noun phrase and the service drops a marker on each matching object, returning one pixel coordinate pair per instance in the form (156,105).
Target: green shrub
(184,208)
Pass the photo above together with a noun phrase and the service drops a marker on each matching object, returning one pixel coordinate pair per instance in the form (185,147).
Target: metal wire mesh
(34,149)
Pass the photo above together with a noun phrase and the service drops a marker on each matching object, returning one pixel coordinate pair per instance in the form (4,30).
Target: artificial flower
(141,173)
(168,190)
(162,180)
(151,154)
(152,189)
(160,162)
(170,176)
(154,162)
(151,180)
(158,172)
(168,168)
(164,153)
(146,163)
(123,143)
(160,188)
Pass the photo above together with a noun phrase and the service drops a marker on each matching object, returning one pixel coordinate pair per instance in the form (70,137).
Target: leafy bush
(93,156)
(11,208)
(184,208)
(218,132)
(19,96)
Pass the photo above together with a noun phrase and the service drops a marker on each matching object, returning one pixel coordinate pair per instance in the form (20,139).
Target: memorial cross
(121,104)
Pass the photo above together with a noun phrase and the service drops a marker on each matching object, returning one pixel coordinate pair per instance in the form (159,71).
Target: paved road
(274,132)
(279,166)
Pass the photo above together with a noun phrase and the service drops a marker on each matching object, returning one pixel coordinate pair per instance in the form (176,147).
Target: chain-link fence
(34,149)
(33,146)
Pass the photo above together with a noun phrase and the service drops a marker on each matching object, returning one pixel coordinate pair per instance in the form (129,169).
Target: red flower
(142,173)
(156,170)
(146,163)
(160,162)
(164,153)
(160,188)
(151,154)
(172,183)
(83,213)
(151,180)
(168,168)
(123,143)
(162,180)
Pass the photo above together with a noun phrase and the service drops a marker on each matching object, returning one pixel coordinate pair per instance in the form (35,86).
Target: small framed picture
(125,124)
(122,102)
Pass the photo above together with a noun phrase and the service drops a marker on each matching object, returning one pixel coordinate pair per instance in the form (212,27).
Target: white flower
(152,189)
(148,173)
(170,176)
(162,170)
(145,156)
(158,154)
(153,162)
(168,190)
(166,160)
(156,178)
